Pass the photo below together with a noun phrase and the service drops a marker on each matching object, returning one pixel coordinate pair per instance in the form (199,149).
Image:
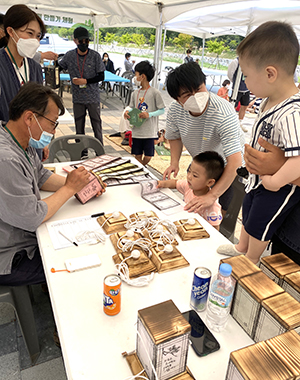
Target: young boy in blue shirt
(148,100)
(268,58)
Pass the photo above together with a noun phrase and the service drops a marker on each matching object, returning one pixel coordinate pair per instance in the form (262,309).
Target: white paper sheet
(70,228)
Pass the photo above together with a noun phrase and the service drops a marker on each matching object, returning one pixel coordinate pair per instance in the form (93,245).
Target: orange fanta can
(112,294)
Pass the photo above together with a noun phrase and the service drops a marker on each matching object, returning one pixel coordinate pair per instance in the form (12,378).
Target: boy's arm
(168,184)
(228,176)
(146,115)
(289,172)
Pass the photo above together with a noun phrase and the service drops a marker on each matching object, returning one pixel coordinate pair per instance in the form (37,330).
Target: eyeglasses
(55,123)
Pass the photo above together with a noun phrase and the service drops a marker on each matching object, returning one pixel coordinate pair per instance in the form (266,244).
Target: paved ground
(14,360)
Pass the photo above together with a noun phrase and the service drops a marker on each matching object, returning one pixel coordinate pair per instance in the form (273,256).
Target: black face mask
(83,47)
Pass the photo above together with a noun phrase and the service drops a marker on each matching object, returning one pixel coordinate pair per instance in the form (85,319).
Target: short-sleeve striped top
(281,128)
(217,129)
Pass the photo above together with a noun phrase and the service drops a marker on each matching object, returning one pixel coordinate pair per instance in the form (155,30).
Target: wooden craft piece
(190,232)
(155,237)
(137,267)
(166,261)
(114,238)
(112,224)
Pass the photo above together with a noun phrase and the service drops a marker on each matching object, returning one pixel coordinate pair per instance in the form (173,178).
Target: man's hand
(144,115)
(263,163)
(199,203)
(79,81)
(171,169)
(77,179)
(126,115)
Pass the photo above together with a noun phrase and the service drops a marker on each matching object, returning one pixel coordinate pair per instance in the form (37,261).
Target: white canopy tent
(203,18)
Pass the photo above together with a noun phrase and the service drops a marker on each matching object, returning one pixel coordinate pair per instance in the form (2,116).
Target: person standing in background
(243,95)
(188,57)
(86,70)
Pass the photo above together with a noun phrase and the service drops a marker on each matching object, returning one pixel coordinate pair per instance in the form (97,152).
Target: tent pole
(157,47)
(203,45)
(162,54)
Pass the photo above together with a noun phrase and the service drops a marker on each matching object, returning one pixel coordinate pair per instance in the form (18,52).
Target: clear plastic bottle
(220,298)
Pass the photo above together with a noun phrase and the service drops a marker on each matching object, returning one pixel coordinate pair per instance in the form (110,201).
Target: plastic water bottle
(219,299)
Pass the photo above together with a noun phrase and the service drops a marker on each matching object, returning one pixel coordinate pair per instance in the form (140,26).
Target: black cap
(80,33)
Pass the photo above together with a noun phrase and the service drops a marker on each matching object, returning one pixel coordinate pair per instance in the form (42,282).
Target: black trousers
(94,114)
(279,247)
(25,271)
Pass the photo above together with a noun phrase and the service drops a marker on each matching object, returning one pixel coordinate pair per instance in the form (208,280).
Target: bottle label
(221,296)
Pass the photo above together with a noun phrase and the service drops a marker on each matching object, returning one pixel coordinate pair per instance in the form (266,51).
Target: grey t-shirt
(153,101)
(88,66)
(128,65)
(21,207)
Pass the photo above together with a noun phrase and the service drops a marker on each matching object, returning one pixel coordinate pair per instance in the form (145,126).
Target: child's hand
(160,184)
(144,115)
(268,184)
(126,115)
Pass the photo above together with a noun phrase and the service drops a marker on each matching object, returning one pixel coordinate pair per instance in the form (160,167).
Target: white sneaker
(243,128)
(229,250)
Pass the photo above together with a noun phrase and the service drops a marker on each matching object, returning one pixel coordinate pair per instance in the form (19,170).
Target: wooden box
(291,284)
(166,261)
(278,314)
(287,347)
(277,266)
(112,224)
(241,266)
(256,362)
(249,293)
(143,219)
(163,340)
(189,232)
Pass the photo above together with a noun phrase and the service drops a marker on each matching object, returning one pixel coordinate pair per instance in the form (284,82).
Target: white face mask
(227,86)
(105,58)
(196,103)
(136,82)
(27,47)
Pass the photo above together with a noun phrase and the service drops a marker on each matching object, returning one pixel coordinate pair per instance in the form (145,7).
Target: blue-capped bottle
(220,298)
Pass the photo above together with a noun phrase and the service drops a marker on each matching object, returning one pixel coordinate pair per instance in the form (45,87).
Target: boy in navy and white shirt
(268,58)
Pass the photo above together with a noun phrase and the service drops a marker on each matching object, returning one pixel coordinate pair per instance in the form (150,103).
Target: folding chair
(19,298)
(70,147)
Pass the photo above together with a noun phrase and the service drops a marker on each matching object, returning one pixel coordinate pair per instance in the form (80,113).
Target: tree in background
(110,38)
(216,47)
(183,41)
(138,39)
(63,32)
(125,39)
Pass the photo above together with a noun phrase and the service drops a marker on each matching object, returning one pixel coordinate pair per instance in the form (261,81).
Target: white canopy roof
(196,17)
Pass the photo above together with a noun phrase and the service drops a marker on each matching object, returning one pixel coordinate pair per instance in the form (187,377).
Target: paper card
(155,196)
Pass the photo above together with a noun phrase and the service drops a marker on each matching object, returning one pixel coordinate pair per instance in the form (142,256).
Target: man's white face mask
(196,103)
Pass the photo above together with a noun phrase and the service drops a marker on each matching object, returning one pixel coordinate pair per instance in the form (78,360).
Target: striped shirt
(217,129)
(281,128)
